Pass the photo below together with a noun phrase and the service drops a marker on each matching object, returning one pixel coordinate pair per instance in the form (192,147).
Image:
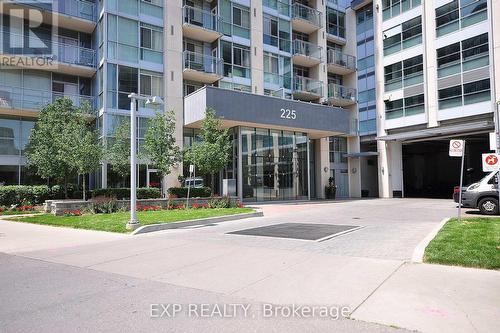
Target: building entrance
(274,165)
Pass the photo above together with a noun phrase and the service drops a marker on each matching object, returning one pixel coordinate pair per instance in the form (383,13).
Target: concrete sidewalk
(366,270)
(434,298)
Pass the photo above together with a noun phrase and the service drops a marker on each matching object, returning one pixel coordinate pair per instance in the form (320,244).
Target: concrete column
(354,166)
(173,81)
(430,70)
(383,158)
(396,168)
(256,42)
(494,17)
(322,153)
(383,170)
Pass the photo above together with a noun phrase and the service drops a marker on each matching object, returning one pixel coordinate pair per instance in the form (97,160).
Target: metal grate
(304,231)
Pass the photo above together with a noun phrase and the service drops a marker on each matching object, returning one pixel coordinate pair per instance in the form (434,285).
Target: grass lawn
(116,222)
(9,213)
(473,242)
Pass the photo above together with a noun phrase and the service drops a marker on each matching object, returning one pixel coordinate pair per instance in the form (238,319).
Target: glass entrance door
(274,165)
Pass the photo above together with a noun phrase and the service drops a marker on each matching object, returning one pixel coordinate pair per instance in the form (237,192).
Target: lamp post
(153,101)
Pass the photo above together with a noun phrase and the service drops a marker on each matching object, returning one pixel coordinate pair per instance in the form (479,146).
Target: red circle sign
(456,144)
(491,160)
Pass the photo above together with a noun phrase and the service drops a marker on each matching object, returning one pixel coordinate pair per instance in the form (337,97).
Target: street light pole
(133,223)
(155,100)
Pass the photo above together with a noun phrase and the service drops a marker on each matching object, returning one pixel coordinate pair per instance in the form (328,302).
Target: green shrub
(19,194)
(103,205)
(220,202)
(194,192)
(124,193)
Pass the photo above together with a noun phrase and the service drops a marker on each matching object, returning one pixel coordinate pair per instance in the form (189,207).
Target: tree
(86,152)
(48,147)
(159,143)
(213,151)
(118,150)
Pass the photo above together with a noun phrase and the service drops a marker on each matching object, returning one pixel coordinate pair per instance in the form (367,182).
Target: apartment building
(437,78)
(282,74)
(287,73)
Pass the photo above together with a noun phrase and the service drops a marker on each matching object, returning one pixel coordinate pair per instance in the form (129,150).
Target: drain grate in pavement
(305,231)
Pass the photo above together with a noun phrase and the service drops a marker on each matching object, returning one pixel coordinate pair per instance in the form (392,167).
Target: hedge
(35,194)
(12,195)
(124,193)
(194,192)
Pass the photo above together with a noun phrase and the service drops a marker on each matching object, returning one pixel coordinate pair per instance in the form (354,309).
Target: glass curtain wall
(274,164)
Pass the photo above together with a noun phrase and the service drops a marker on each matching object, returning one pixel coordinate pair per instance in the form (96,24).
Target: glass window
(392,8)
(393,76)
(459,14)
(469,54)
(476,92)
(450,97)
(127,83)
(335,21)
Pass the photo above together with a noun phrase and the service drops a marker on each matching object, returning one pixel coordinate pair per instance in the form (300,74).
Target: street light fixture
(151,101)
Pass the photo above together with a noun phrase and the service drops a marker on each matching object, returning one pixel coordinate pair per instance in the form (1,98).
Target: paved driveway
(347,270)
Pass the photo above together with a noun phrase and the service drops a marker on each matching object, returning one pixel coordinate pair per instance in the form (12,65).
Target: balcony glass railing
(337,91)
(202,63)
(282,43)
(77,8)
(36,99)
(309,14)
(283,7)
(338,58)
(201,18)
(307,85)
(59,51)
(306,49)
(275,79)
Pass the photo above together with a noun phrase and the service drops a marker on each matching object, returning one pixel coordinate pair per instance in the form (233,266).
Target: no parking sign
(491,162)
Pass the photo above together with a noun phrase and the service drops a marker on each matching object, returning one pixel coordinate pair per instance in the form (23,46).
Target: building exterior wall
(303,50)
(436,72)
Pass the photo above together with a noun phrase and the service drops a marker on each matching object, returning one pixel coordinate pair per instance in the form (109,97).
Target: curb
(209,220)
(418,253)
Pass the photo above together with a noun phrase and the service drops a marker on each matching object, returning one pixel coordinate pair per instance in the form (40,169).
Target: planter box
(57,207)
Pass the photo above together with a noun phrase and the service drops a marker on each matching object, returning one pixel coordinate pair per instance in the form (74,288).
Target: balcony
(27,102)
(60,57)
(306,19)
(306,89)
(339,95)
(200,24)
(201,68)
(340,63)
(77,15)
(306,54)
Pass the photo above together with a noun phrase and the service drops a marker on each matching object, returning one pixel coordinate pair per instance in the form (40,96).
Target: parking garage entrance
(428,171)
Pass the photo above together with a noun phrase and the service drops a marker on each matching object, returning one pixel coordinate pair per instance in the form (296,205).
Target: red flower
(74,212)
(195,205)
(147,208)
(180,206)
(204,205)
(25,208)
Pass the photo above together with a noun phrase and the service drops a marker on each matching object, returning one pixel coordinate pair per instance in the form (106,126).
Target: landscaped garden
(472,242)
(116,222)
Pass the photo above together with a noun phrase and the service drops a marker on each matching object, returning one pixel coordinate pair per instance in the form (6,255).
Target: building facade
(437,78)
(293,59)
(362,93)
